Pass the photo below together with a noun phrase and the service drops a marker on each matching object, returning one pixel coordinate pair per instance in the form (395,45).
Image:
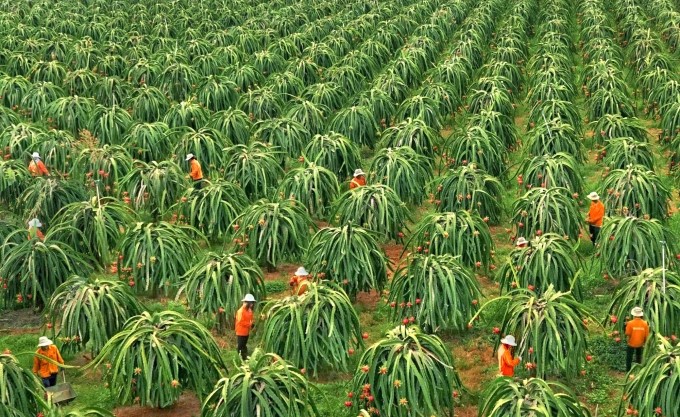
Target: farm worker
(244,322)
(595,215)
(47,370)
(506,361)
(299,281)
(34,226)
(637,331)
(195,171)
(522,242)
(36,167)
(358,180)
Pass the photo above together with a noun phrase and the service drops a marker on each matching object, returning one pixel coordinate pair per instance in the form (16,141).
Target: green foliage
(21,392)
(437,291)
(155,255)
(334,152)
(374,207)
(156,356)
(255,167)
(660,302)
(107,164)
(549,260)
(265,384)
(471,189)
(45,196)
(357,123)
(90,310)
(314,186)
(213,208)
(635,191)
(654,385)
(413,133)
(33,269)
(313,330)
(629,245)
(14,179)
(93,227)
(547,171)
(479,147)
(218,282)
(619,153)
(407,372)
(403,170)
(547,210)
(507,397)
(550,330)
(155,186)
(350,256)
(460,233)
(273,231)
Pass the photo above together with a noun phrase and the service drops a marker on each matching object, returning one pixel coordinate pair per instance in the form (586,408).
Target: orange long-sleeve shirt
(357,182)
(195,172)
(637,331)
(37,168)
(44,368)
(35,232)
(506,363)
(596,213)
(244,321)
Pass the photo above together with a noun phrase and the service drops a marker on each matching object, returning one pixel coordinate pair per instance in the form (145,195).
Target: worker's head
(521,242)
(637,312)
(301,272)
(35,156)
(509,341)
(35,223)
(189,157)
(249,301)
(593,197)
(44,343)
(359,173)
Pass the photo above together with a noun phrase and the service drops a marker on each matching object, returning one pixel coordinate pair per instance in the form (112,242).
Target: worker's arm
(59,358)
(508,359)
(629,329)
(42,168)
(40,234)
(36,364)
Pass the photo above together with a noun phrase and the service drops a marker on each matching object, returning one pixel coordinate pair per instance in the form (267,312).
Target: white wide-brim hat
(34,223)
(35,155)
(521,241)
(189,156)
(44,341)
(249,298)
(593,196)
(509,340)
(301,272)
(637,312)
(358,172)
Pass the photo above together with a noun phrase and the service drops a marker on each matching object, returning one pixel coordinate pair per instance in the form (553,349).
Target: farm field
(476,122)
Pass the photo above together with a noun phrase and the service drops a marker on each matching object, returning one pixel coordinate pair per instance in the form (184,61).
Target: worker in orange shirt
(506,360)
(637,331)
(47,370)
(595,216)
(244,323)
(34,226)
(298,283)
(36,167)
(359,179)
(195,171)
